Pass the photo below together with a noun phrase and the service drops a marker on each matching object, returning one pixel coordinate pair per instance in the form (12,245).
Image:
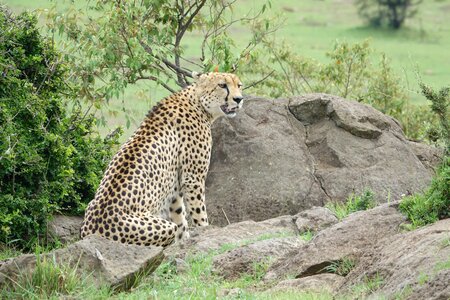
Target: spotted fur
(159,174)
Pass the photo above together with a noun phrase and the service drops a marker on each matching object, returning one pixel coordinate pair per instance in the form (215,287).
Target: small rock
(11,267)
(316,283)
(315,219)
(429,156)
(229,293)
(181,265)
(234,263)
(65,229)
(281,221)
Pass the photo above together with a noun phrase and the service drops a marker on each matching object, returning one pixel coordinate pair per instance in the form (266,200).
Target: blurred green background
(421,46)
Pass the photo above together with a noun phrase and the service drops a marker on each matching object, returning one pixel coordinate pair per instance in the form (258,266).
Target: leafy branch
(135,41)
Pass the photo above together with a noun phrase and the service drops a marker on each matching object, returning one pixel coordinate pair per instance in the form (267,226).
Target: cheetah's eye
(223,85)
(239,85)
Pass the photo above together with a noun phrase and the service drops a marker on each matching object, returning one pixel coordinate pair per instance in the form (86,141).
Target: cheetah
(159,174)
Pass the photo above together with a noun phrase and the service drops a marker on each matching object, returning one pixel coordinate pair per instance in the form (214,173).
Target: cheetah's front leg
(193,189)
(177,214)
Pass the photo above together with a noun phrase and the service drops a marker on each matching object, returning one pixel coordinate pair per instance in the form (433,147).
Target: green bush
(51,160)
(434,203)
(440,102)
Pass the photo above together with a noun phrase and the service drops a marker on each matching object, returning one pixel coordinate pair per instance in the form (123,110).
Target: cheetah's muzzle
(229,111)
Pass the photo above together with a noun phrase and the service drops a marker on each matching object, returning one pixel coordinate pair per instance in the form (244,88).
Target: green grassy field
(312,27)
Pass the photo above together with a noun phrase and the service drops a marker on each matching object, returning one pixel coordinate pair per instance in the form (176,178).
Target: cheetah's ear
(196,75)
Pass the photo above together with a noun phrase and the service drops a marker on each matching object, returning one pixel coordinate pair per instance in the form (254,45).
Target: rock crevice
(313,164)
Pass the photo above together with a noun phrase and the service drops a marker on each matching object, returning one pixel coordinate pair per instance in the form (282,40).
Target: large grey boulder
(106,262)
(282,156)
(260,168)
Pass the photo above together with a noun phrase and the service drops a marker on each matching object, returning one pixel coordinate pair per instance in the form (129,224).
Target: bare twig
(181,30)
(349,72)
(156,79)
(226,216)
(170,65)
(286,74)
(72,126)
(306,81)
(259,81)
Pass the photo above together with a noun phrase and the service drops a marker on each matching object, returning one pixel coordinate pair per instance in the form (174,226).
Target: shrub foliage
(51,160)
(349,73)
(434,203)
(440,102)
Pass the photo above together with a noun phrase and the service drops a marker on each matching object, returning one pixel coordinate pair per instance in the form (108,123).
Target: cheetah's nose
(238,99)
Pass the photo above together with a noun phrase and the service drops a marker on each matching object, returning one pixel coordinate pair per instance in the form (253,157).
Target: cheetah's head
(219,93)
